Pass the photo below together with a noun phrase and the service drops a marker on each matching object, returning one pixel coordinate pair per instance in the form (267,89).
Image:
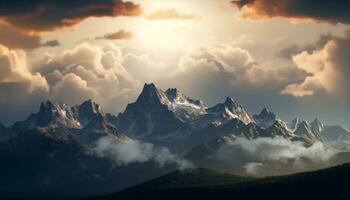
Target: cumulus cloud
(236,66)
(143,68)
(19,86)
(273,156)
(327,11)
(13,69)
(168,14)
(119,35)
(49,15)
(327,66)
(131,151)
(72,84)
(113,78)
(88,72)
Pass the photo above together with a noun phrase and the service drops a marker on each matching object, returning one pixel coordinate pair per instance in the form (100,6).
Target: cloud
(13,38)
(327,66)
(326,11)
(143,68)
(51,43)
(50,15)
(18,39)
(133,151)
(19,86)
(89,72)
(168,14)
(13,69)
(235,66)
(72,84)
(119,35)
(273,156)
(214,72)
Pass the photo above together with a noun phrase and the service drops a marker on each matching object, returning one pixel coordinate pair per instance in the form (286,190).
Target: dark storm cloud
(18,39)
(13,38)
(46,15)
(291,50)
(322,10)
(119,35)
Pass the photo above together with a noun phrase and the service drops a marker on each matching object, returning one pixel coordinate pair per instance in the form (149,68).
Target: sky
(289,56)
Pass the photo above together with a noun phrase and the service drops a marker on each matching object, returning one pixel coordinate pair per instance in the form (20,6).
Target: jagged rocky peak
(48,105)
(235,107)
(265,118)
(152,95)
(172,93)
(229,102)
(60,114)
(282,125)
(90,106)
(87,111)
(317,125)
(265,112)
(176,97)
(293,125)
(231,109)
(50,114)
(49,110)
(303,128)
(303,124)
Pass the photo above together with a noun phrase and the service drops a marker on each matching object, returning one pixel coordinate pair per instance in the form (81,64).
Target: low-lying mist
(134,151)
(273,156)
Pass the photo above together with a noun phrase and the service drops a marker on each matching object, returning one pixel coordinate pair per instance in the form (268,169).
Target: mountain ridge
(168,122)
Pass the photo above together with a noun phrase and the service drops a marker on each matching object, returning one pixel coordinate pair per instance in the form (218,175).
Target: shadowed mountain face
(61,150)
(208,184)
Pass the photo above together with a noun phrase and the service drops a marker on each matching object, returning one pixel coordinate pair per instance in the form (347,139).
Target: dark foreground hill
(207,184)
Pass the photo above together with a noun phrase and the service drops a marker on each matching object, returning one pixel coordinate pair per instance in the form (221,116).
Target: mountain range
(84,145)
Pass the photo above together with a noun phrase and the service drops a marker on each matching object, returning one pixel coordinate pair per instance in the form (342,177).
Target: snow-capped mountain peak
(265,118)
(230,109)
(305,130)
(61,115)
